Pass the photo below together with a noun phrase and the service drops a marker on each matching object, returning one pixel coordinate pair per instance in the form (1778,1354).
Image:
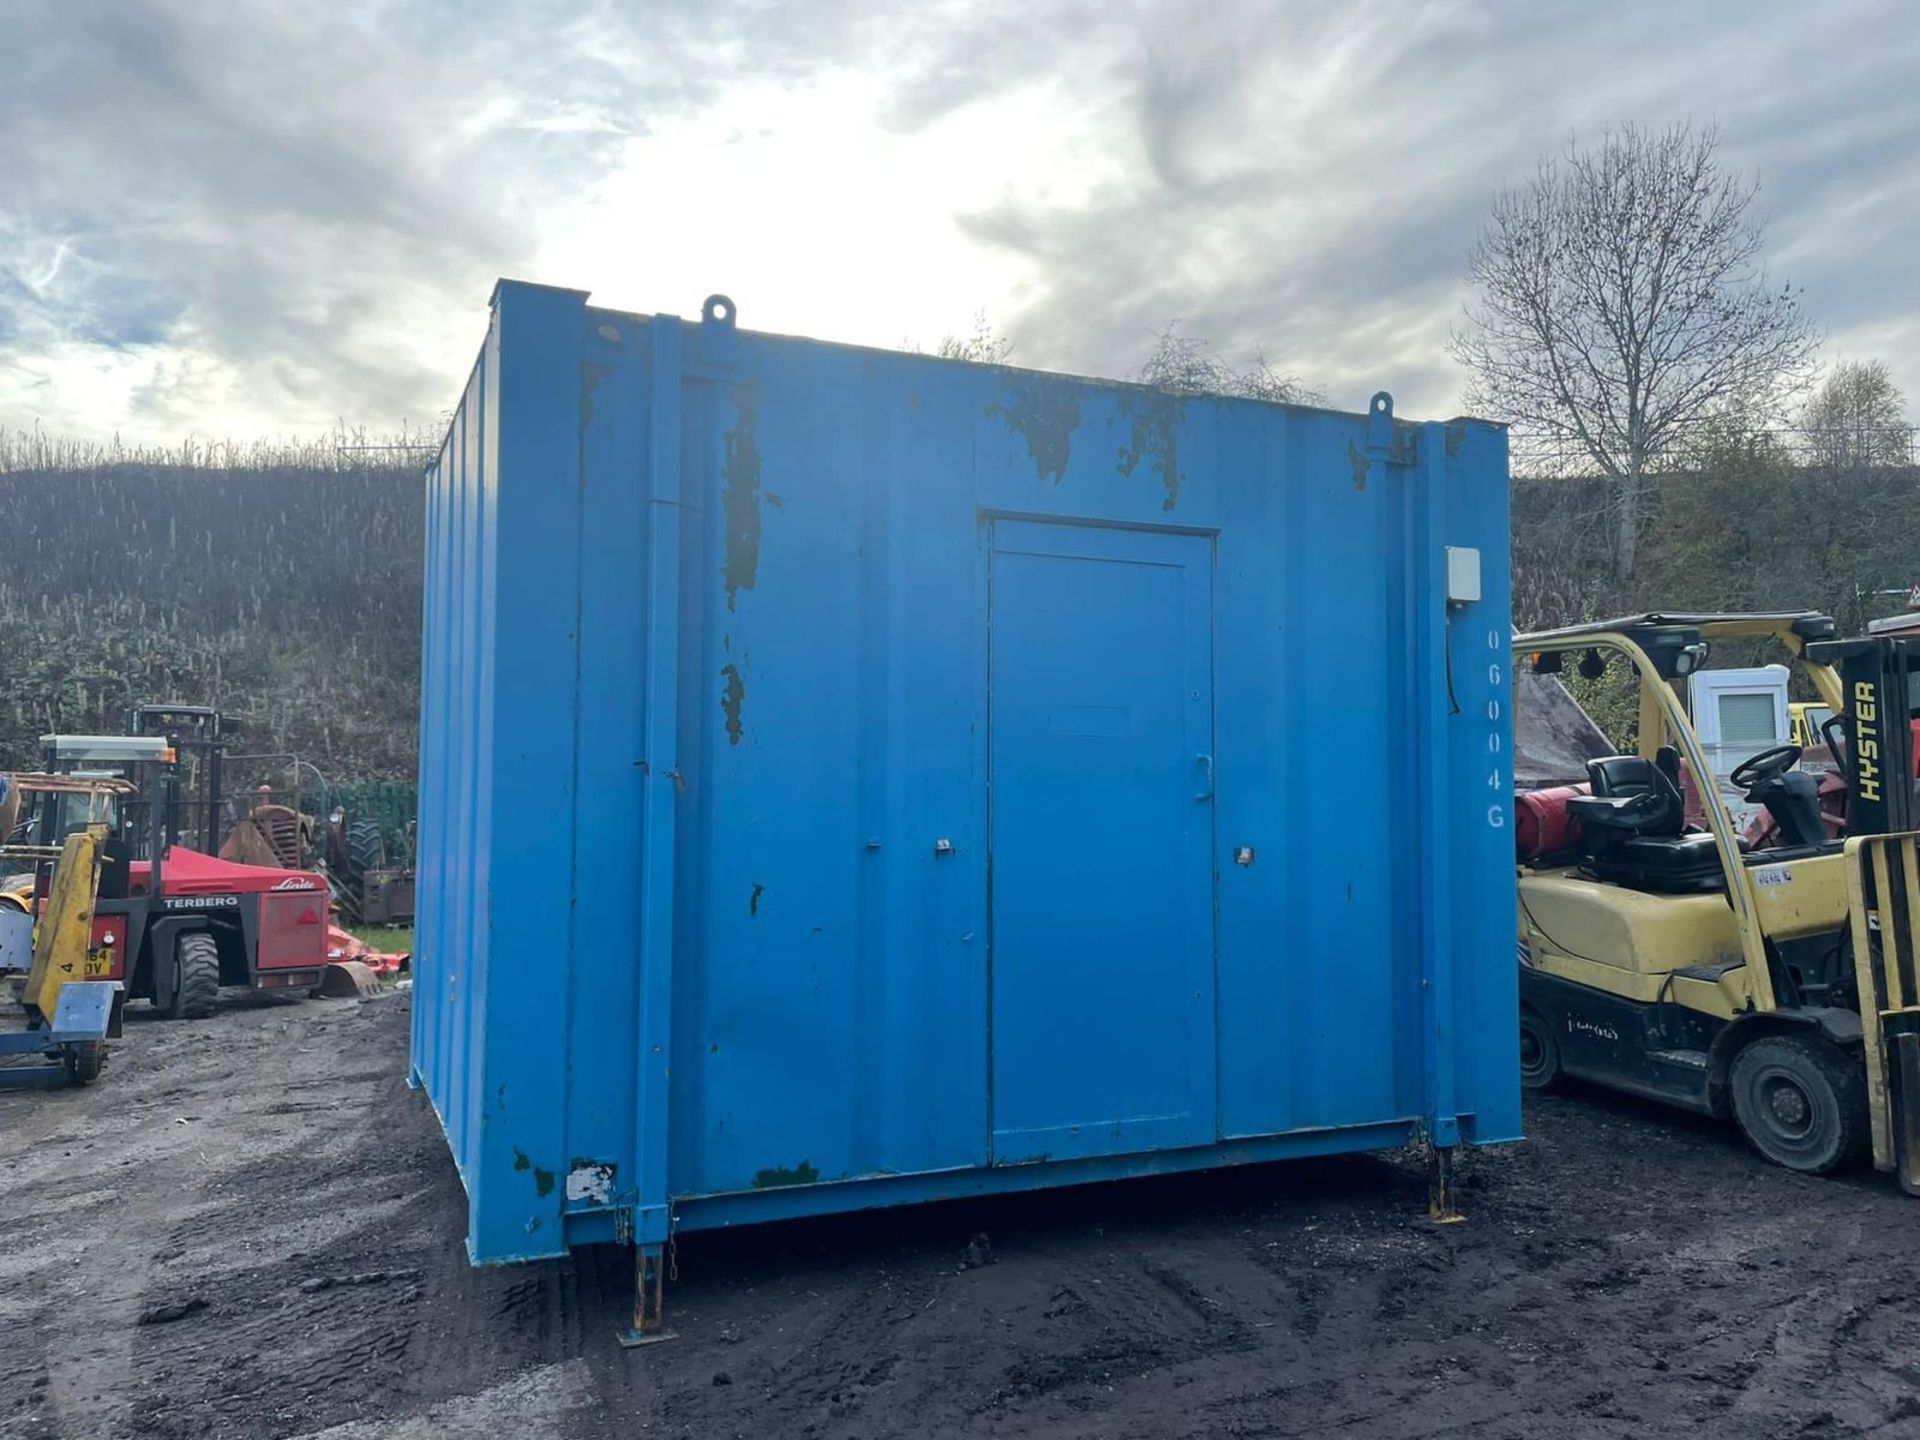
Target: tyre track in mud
(100,1185)
(1625,1272)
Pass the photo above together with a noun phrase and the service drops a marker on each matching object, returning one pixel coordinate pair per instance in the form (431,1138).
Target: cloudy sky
(244,219)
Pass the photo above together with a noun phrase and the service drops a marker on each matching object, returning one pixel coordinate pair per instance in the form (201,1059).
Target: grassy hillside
(281,583)
(1747,530)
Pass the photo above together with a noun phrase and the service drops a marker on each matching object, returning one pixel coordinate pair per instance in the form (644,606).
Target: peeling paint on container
(1153,432)
(733,698)
(1134,618)
(1045,416)
(590,1182)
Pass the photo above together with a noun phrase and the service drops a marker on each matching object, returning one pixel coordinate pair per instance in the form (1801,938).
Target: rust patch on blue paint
(543,1181)
(731,699)
(781,1176)
(520,1160)
(740,500)
(1045,415)
(591,375)
(1153,419)
(1358,462)
(1405,448)
(753,900)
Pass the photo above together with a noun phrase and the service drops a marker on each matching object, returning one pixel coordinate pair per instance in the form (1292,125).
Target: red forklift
(173,922)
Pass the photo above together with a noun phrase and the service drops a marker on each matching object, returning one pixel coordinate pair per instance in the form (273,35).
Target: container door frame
(1194,553)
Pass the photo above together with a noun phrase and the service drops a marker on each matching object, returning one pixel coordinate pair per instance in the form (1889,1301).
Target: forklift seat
(1634,826)
(1631,776)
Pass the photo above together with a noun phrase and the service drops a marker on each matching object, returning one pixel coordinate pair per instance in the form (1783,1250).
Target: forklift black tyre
(1539,1051)
(85,1059)
(196,982)
(1800,1102)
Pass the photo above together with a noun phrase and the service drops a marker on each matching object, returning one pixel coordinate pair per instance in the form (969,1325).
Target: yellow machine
(76,800)
(1806,717)
(1773,985)
(69,1016)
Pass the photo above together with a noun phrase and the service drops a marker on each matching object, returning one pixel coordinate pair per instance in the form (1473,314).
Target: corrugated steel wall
(767,861)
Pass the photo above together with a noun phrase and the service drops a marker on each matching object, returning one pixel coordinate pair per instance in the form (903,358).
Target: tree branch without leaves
(1623,301)
(1186,365)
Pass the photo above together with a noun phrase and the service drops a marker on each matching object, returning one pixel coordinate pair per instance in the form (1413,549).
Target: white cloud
(257,219)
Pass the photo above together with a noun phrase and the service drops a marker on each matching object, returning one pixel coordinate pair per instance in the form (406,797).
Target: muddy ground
(267,1178)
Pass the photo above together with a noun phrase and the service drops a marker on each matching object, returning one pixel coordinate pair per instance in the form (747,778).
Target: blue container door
(1100,716)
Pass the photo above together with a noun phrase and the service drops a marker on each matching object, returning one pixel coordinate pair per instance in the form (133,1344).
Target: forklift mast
(1880,685)
(192,798)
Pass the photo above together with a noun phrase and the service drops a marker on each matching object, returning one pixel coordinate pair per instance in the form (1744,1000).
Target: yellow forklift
(70,1013)
(40,811)
(1774,985)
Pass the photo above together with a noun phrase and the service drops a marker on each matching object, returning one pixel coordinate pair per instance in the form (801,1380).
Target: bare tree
(1857,420)
(981,345)
(1187,365)
(1623,299)
(1260,381)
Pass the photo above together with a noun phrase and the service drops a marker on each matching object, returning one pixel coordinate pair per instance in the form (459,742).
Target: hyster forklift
(173,923)
(1777,985)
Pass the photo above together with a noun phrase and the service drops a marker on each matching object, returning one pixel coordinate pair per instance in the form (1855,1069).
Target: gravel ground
(250,1227)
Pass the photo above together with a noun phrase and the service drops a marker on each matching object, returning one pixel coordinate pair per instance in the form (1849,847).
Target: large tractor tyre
(1801,1102)
(366,847)
(85,1060)
(1539,1051)
(196,981)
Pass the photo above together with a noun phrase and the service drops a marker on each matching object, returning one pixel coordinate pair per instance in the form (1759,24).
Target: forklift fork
(1883,885)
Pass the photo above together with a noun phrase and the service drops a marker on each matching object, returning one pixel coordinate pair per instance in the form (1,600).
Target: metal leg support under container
(649,1308)
(1441,1208)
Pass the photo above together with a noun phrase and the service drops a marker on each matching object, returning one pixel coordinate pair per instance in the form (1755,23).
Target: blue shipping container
(851,777)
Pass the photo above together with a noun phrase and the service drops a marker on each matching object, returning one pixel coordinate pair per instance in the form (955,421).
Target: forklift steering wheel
(1769,764)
